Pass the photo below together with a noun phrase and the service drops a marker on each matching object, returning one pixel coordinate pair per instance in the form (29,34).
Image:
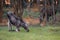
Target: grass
(36,33)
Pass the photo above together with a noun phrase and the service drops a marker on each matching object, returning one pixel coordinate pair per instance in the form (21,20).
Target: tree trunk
(1,12)
(54,15)
(45,11)
(18,8)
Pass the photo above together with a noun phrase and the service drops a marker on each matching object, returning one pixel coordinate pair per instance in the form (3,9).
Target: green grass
(36,33)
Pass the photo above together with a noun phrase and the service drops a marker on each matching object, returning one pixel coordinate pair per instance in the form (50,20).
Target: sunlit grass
(36,33)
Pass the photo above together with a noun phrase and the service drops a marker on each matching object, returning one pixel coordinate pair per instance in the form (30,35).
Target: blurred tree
(1,12)
(18,8)
(47,6)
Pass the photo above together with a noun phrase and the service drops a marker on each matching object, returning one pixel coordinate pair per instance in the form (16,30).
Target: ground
(36,33)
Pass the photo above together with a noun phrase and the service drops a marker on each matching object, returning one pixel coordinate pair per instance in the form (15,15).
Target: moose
(48,12)
(16,21)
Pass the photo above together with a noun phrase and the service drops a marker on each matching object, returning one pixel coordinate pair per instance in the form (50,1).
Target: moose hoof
(17,30)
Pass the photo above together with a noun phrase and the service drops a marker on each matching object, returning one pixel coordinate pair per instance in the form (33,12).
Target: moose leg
(9,26)
(47,18)
(17,29)
(41,18)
